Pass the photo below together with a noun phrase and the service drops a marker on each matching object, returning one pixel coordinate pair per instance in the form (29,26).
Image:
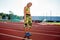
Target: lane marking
(45,24)
(12,36)
(18,24)
(48,31)
(34,33)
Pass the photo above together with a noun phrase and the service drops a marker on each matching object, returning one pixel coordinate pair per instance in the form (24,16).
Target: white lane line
(13,24)
(11,36)
(18,24)
(34,33)
(46,34)
(45,24)
(47,31)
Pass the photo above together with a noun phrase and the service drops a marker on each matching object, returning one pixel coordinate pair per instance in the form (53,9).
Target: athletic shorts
(28,21)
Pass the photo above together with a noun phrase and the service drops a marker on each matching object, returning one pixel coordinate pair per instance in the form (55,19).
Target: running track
(15,31)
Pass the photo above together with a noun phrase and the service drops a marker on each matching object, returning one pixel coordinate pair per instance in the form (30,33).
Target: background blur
(41,10)
(39,7)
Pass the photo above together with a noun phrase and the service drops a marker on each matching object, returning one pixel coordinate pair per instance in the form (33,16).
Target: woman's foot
(27,34)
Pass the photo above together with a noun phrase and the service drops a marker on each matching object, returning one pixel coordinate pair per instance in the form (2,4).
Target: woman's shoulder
(25,7)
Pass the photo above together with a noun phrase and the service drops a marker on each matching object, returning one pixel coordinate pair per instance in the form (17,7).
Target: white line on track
(11,36)
(37,23)
(33,32)
(47,31)
(18,24)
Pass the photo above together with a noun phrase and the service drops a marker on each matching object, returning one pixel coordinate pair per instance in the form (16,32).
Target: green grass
(57,23)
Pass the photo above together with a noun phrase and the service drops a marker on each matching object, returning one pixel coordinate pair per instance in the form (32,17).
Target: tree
(1,14)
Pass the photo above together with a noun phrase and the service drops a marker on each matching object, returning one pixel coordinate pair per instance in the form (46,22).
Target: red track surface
(15,31)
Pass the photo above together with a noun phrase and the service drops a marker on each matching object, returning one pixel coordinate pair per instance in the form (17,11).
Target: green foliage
(10,16)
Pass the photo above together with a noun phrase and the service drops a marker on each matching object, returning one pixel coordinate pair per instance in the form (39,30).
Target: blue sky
(39,7)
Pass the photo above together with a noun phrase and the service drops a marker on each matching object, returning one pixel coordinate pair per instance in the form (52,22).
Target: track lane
(39,29)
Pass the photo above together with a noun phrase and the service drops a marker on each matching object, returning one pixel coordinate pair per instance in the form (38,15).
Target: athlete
(27,18)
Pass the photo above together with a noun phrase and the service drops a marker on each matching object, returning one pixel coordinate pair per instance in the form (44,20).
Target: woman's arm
(24,13)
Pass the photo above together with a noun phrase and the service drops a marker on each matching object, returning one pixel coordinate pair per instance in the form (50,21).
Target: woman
(27,18)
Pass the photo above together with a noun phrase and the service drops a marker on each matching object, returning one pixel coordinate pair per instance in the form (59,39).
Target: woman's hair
(29,3)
